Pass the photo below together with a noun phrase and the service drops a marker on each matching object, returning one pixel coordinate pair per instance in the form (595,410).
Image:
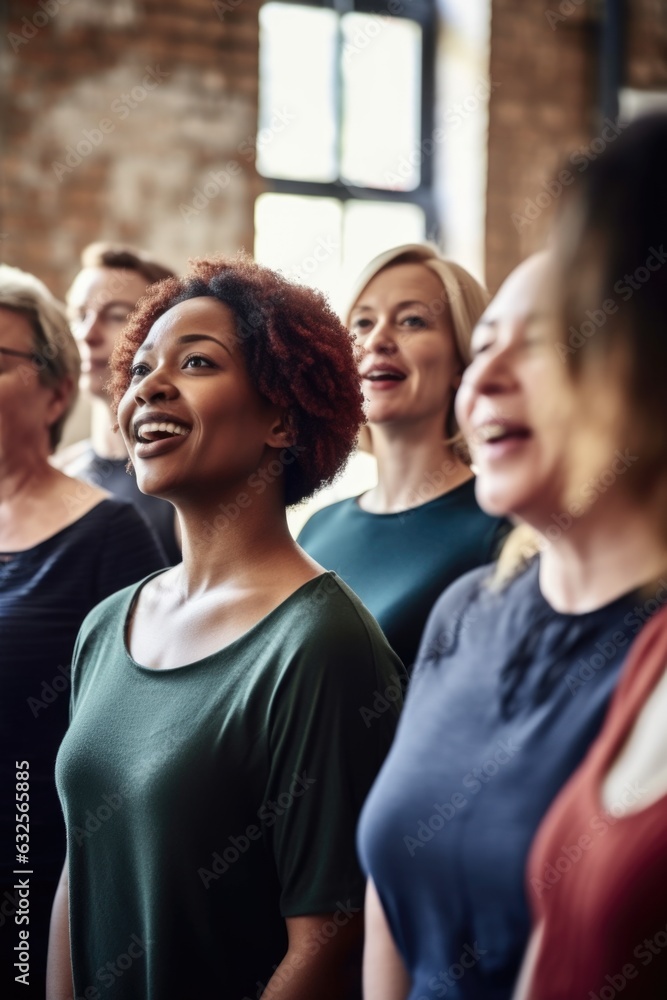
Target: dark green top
(399,564)
(206,803)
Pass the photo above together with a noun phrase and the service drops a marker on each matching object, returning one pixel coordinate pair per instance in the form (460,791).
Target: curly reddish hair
(297,353)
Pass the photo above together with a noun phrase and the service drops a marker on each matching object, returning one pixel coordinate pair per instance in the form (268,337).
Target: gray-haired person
(64,546)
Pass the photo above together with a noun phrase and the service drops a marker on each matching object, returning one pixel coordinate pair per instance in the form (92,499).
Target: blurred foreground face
(546,448)
(516,402)
(98,305)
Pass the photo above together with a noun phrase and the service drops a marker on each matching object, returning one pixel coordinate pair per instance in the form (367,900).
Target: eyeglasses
(39,362)
(19,354)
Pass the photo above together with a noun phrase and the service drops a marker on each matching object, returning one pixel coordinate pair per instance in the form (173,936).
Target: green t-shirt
(206,803)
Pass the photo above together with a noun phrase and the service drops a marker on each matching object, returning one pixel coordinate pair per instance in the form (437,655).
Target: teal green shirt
(206,803)
(399,564)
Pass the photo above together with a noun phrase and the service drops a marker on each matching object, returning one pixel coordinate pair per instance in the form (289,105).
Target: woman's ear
(281,433)
(60,398)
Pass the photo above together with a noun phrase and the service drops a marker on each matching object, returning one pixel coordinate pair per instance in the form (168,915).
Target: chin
(494,498)
(151,485)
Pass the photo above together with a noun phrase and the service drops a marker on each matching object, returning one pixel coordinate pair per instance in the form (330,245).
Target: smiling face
(98,305)
(516,405)
(192,421)
(410,365)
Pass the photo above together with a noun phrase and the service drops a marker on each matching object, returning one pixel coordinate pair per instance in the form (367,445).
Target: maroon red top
(598,879)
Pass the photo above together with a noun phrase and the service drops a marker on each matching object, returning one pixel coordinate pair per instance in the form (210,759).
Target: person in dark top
(516,667)
(597,873)
(112,280)
(218,733)
(64,546)
(400,544)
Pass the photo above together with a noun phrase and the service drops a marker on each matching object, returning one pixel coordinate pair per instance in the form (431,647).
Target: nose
(88,330)
(155,386)
(380,339)
(489,375)
(491,371)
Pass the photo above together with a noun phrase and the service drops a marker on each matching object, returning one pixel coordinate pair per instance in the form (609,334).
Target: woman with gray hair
(400,544)
(64,546)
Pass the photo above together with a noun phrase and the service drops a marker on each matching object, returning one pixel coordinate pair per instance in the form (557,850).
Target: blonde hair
(465,298)
(56,355)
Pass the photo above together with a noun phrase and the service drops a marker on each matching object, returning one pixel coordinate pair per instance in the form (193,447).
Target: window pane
(300,236)
(297,93)
(369,227)
(381,101)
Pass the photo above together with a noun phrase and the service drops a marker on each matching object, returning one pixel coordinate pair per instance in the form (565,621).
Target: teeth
(491,431)
(163,427)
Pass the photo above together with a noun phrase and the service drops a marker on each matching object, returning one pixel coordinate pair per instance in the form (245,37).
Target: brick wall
(115,112)
(544,54)
(543,108)
(646,45)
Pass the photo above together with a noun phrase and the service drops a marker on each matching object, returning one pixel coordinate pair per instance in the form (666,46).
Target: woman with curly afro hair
(220,747)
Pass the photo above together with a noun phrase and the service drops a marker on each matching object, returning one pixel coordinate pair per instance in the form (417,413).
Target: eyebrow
(399,305)
(78,307)
(187,338)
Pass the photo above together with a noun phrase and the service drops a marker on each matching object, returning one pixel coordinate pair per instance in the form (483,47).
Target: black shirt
(111,474)
(45,593)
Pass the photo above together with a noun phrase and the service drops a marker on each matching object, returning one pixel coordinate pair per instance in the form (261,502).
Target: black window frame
(424,13)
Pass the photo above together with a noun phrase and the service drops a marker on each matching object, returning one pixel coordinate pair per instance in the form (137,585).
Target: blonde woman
(401,543)
(516,669)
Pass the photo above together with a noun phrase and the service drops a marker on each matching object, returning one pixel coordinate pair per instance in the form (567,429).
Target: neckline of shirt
(9,557)
(534,569)
(442,498)
(224,650)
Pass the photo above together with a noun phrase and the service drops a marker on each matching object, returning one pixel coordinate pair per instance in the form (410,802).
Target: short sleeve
(128,552)
(333,721)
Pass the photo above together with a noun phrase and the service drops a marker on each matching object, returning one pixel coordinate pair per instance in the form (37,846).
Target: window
(346,96)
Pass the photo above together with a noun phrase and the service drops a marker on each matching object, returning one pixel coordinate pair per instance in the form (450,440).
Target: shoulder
(456,608)
(464,501)
(473,602)
(463,592)
(118,516)
(105,623)
(337,664)
(109,516)
(325,517)
(108,617)
(115,533)
(336,632)
(101,638)
(107,613)
(335,612)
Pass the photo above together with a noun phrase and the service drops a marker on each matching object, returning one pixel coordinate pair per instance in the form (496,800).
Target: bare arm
(323,959)
(522,988)
(385,975)
(59,985)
